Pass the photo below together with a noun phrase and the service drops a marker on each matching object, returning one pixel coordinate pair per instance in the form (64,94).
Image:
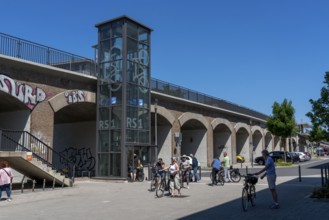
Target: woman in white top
(6,178)
(174,176)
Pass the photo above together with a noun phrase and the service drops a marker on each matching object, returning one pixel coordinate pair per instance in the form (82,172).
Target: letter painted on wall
(75,96)
(23,92)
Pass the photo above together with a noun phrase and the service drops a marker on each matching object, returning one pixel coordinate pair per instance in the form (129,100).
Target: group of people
(268,171)
(185,167)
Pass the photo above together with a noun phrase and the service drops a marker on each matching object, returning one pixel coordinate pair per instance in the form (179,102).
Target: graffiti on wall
(74,96)
(25,93)
(82,158)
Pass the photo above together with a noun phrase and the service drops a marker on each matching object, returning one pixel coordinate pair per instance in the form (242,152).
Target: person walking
(226,163)
(6,178)
(195,165)
(174,176)
(215,169)
(185,167)
(270,173)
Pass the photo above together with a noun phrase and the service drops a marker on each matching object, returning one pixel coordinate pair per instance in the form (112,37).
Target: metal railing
(27,50)
(184,93)
(24,141)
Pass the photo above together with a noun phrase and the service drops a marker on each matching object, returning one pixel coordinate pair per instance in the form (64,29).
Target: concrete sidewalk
(104,200)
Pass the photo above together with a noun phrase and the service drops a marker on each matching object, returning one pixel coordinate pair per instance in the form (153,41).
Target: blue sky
(250,52)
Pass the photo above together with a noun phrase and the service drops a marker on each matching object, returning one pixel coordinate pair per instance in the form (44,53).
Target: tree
(282,121)
(319,114)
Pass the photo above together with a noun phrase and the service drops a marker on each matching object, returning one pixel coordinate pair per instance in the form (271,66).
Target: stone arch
(69,97)
(165,113)
(223,136)
(255,128)
(242,125)
(189,116)
(218,121)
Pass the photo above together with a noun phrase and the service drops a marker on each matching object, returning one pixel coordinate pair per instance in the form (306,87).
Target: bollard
(325,175)
(63,183)
(299,174)
(246,170)
(22,188)
(322,179)
(33,185)
(149,173)
(54,182)
(44,184)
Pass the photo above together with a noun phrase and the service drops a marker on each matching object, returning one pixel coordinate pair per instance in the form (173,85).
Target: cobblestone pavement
(104,200)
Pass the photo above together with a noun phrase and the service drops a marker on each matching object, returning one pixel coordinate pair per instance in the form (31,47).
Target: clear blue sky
(250,52)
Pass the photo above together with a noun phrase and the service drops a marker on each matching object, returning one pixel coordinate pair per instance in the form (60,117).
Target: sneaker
(275,206)
(187,187)
(9,200)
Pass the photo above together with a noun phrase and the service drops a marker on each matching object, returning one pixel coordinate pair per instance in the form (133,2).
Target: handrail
(11,140)
(185,93)
(31,51)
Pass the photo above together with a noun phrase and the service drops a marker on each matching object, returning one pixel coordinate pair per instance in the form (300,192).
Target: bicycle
(249,191)
(156,178)
(162,186)
(235,174)
(219,176)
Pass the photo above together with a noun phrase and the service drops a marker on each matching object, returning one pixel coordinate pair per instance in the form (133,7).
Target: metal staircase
(45,163)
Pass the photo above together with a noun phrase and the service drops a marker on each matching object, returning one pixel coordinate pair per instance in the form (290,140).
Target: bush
(322,192)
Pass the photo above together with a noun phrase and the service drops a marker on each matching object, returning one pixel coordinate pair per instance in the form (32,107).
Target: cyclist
(195,165)
(186,169)
(174,178)
(159,166)
(215,169)
(226,164)
(139,168)
(271,177)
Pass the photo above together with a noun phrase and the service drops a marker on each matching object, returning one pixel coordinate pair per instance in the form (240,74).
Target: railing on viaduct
(27,50)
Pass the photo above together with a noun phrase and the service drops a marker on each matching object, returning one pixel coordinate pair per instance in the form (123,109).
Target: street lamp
(156,125)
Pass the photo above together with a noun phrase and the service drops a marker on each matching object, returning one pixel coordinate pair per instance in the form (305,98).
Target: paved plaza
(90,199)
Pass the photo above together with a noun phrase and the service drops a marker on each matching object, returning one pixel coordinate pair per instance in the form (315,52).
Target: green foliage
(321,192)
(282,121)
(319,114)
(280,162)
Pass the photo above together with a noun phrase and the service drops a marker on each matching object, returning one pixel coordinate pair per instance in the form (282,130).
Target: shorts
(271,179)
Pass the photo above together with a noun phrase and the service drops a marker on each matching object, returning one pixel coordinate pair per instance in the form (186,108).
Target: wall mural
(23,92)
(74,96)
(82,158)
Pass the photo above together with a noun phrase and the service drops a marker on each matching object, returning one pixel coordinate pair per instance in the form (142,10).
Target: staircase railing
(24,141)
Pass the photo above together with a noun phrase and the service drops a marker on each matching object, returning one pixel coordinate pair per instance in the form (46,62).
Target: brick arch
(218,121)
(69,97)
(165,113)
(241,125)
(255,128)
(189,116)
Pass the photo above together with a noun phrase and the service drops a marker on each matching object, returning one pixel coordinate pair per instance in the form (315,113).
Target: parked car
(308,154)
(302,156)
(294,157)
(276,155)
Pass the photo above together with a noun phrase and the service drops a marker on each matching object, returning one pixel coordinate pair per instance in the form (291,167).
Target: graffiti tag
(74,96)
(23,92)
(82,158)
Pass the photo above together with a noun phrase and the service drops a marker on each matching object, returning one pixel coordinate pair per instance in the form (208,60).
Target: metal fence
(27,50)
(184,93)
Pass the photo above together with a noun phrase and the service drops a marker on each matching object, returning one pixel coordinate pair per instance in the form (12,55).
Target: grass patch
(282,163)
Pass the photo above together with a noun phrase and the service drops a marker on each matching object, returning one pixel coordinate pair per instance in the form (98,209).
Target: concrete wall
(242,145)
(195,142)
(222,143)
(16,120)
(164,142)
(257,140)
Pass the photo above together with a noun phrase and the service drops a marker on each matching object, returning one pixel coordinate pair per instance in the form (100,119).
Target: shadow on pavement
(293,198)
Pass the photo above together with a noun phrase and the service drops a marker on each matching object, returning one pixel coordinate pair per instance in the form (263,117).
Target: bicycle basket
(252,180)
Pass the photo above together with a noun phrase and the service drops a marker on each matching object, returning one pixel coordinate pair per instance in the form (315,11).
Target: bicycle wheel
(244,199)
(252,193)
(221,179)
(140,177)
(160,189)
(235,176)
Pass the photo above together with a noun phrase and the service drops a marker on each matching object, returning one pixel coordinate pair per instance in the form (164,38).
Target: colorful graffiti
(23,92)
(82,158)
(74,96)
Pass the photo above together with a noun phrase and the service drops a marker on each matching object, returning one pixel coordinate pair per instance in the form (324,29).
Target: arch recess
(218,121)
(69,97)
(242,125)
(255,128)
(165,113)
(189,116)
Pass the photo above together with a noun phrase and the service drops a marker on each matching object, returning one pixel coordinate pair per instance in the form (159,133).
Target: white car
(302,156)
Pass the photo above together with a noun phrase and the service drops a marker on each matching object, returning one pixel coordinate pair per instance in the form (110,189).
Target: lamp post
(156,126)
